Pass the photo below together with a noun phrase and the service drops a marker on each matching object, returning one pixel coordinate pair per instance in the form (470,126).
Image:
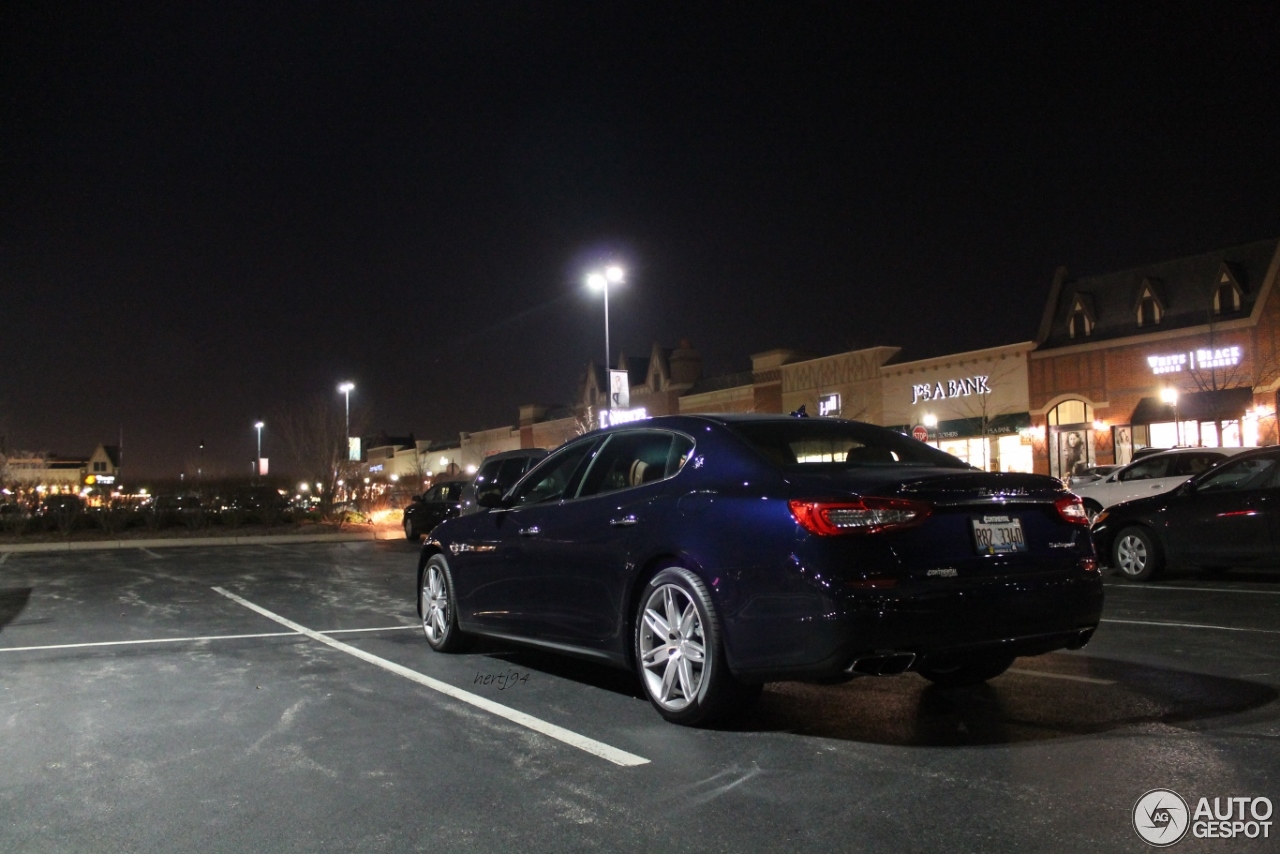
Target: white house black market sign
(951,388)
(1203,359)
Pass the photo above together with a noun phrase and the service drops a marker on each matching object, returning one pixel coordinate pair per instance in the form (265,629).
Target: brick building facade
(1184,352)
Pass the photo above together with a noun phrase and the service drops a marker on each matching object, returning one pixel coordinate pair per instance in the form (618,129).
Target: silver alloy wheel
(435,604)
(1131,554)
(672,648)
(408,528)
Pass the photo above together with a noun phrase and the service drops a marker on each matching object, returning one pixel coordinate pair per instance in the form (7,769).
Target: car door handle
(531,531)
(623,521)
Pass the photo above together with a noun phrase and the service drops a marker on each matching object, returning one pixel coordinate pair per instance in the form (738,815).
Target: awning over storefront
(971,428)
(1223,405)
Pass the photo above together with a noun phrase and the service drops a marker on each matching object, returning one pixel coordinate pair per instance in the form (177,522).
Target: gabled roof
(1184,286)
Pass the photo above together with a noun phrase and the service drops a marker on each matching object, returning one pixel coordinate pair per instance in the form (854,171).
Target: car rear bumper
(897,630)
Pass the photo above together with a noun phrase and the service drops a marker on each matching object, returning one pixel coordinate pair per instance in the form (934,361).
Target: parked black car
(712,554)
(1227,516)
(431,508)
(499,473)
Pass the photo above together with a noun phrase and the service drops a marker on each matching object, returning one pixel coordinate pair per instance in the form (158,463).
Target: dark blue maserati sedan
(714,553)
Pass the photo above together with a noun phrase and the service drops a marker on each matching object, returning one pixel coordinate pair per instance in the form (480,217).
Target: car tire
(436,605)
(1136,555)
(683,669)
(410,530)
(1092,509)
(973,671)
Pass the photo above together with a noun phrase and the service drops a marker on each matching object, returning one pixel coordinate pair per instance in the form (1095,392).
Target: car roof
(517,453)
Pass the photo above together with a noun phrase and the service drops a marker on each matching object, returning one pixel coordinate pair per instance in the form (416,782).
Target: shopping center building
(1183,352)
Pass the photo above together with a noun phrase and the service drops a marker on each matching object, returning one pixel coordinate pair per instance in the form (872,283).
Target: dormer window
(1080,318)
(1148,312)
(1149,307)
(1226,293)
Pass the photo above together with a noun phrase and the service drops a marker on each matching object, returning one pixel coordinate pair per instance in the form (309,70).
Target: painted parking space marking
(4,556)
(1145,587)
(199,639)
(150,553)
(1044,674)
(1192,626)
(573,739)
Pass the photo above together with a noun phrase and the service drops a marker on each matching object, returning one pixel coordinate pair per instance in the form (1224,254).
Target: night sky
(212,211)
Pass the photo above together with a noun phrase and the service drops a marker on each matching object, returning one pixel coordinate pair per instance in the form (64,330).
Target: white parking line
(1047,675)
(1193,626)
(200,638)
(4,556)
(147,551)
(573,739)
(1192,589)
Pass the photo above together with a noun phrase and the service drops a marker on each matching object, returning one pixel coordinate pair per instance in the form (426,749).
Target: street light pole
(1169,395)
(346,389)
(257,466)
(600,282)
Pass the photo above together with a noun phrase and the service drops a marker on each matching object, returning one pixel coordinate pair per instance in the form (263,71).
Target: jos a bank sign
(951,388)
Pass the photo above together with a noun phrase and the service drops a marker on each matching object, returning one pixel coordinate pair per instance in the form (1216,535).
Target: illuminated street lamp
(612,275)
(257,464)
(1169,395)
(346,388)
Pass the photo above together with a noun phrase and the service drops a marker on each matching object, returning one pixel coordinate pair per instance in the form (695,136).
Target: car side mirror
(1188,488)
(490,499)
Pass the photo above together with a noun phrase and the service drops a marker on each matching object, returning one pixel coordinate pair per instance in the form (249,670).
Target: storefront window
(1016,454)
(1071,438)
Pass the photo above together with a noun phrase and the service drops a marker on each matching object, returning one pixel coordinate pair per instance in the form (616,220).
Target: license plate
(996,535)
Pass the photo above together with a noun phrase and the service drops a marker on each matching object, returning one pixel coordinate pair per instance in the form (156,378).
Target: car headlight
(1098,520)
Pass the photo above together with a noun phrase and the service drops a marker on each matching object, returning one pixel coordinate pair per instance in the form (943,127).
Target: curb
(266,540)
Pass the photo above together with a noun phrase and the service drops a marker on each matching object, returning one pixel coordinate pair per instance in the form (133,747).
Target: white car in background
(1151,475)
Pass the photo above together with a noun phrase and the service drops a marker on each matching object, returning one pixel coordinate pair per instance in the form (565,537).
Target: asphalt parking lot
(281,698)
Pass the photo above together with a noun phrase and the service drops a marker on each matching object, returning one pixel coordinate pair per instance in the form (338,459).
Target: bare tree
(315,435)
(1231,364)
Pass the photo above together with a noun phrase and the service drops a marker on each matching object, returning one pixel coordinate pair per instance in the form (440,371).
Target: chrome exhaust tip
(1082,638)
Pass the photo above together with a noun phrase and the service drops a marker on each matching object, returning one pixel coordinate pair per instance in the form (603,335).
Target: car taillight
(1071,509)
(859,516)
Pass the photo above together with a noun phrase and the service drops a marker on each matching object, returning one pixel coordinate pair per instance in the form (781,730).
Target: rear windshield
(815,442)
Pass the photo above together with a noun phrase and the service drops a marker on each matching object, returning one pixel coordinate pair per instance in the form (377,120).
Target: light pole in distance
(1169,395)
(346,389)
(257,464)
(600,281)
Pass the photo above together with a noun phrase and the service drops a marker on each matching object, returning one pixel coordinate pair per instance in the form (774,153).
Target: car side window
(488,475)
(1193,464)
(1252,473)
(681,451)
(511,471)
(627,460)
(448,492)
(549,480)
(1146,469)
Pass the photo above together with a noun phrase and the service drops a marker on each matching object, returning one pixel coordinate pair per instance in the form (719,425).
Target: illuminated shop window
(1071,412)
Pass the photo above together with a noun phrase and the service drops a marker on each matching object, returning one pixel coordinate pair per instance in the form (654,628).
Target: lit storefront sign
(609,417)
(829,404)
(1201,359)
(951,388)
